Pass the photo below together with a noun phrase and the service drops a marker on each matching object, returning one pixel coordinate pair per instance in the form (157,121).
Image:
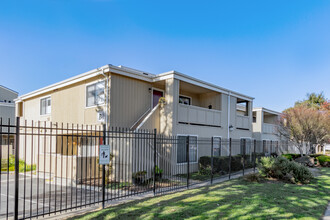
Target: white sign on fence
(104,157)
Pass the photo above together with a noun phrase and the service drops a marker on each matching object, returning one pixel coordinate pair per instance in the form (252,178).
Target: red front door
(156,95)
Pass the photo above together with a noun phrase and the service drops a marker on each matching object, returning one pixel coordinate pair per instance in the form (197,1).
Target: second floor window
(184,100)
(45,106)
(95,94)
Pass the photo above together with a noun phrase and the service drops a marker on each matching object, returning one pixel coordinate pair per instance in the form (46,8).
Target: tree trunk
(301,149)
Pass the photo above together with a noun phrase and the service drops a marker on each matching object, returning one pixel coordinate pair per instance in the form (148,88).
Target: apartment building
(264,126)
(119,96)
(125,97)
(7,115)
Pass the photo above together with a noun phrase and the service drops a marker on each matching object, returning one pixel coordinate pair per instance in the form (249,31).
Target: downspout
(228,125)
(106,88)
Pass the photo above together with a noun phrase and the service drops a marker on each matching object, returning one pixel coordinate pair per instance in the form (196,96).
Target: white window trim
(152,95)
(45,97)
(186,135)
(91,83)
(220,142)
(191,100)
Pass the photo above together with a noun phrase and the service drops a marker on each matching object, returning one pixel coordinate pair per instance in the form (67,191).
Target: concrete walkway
(327,213)
(93,208)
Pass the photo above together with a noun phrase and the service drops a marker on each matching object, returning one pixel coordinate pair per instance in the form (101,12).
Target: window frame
(246,138)
(220,151)
(186,135)
(40,105)
(185,96)
(86,95)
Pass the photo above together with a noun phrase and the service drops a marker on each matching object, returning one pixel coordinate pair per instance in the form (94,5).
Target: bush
(324,160)
(291,156)
(221,164)
(253,177)
(5,163)
(283,169)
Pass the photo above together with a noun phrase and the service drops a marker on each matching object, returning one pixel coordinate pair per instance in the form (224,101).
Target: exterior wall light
(231,128)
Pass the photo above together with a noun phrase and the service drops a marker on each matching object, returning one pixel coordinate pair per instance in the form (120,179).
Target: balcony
(197,115)
(269,128)
(242,122)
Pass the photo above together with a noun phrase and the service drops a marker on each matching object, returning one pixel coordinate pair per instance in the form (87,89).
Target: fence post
(103,168)
(187,156)
(243,154)
(155,145)
(16,166)
(212,142)
(254,155)
(229,158)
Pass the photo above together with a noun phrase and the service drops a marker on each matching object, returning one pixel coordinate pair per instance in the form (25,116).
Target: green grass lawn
(235,199)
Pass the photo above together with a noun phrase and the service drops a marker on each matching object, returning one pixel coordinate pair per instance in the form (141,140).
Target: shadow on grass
(235,199)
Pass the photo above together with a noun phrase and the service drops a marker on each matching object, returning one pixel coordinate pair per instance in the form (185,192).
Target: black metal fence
(49,167)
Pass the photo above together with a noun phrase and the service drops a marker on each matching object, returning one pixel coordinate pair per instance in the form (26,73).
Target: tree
(308,122)
(313,100)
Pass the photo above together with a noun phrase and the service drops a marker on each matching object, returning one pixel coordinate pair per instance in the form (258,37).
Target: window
(246,146)
(184,100)
(216,146)
(182,151)
(95,94)
(45,106)
(266,146)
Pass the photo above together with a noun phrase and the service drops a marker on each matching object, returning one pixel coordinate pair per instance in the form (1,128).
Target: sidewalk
(92,208)
(327,213)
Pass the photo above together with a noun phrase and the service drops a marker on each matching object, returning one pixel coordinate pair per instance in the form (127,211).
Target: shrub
(5,163)
(253,177)
(324,160)
(221,164)
(283,169)
(291,156)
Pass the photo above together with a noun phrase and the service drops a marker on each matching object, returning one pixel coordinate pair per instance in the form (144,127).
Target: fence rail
(50,168)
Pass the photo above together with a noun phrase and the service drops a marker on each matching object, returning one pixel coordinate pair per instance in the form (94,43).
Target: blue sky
(276,51)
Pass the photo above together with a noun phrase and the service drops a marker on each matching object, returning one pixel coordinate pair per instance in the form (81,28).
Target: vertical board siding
(129,100)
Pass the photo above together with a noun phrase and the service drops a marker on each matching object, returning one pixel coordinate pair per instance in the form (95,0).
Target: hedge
(221,164)
(324,160)
(291,156)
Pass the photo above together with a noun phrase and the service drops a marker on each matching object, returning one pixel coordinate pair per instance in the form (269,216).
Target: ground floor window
(182,151)
(246,145)
(216,146)
(266,146)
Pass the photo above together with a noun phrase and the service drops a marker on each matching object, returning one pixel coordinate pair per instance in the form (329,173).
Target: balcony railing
(198,115)
(242,122)
(269,128)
